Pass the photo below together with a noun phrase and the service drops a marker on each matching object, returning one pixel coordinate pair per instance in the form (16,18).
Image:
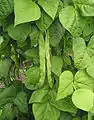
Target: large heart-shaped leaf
(26,11)
(45,112)
(83,99)
(7,96)
(19,32)
(72,21)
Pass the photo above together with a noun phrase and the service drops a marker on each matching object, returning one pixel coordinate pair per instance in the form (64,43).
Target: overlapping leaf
(56,68)
(83,80)
(83,99)
(7,96)
(19,32)
(81,57)
(65,85)
(45,111)
(49,6)
(22,7)
(72,21)
(86,7)
(44,22)
(6,7)
(4,68)
(21,102)
(31,77)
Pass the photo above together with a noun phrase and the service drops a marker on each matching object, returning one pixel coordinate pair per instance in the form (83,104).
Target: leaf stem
(89,116)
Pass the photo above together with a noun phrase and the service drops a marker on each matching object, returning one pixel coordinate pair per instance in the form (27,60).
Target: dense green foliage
(46,59)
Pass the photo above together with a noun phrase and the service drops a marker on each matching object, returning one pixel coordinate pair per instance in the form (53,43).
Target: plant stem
(16,61)
(17,64)
(89,116)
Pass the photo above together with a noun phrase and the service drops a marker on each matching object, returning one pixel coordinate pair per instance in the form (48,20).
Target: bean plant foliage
(46,59)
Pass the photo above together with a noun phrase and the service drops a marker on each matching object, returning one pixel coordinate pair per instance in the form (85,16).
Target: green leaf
(86,7)
(84,117)
(66,59)
(45,112)
(89,28)
(8,112)
(33,54)
(21,102)
(22,7)
(19,32)
(7,96)
(72,21)
(90,68)
(90,46)
(4,68)
(38,96)
(44,22)
(3,42)
(65,104)
(77,119)
(66,116)
(65,85)
(81,57)
(31,77)
(49,6)
(6,8)
(48,58)
(83,80)
(83,99)
(56,32)
(34,35)
(56,68)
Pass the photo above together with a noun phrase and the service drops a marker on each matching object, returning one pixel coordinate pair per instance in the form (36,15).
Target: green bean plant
(46,60)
